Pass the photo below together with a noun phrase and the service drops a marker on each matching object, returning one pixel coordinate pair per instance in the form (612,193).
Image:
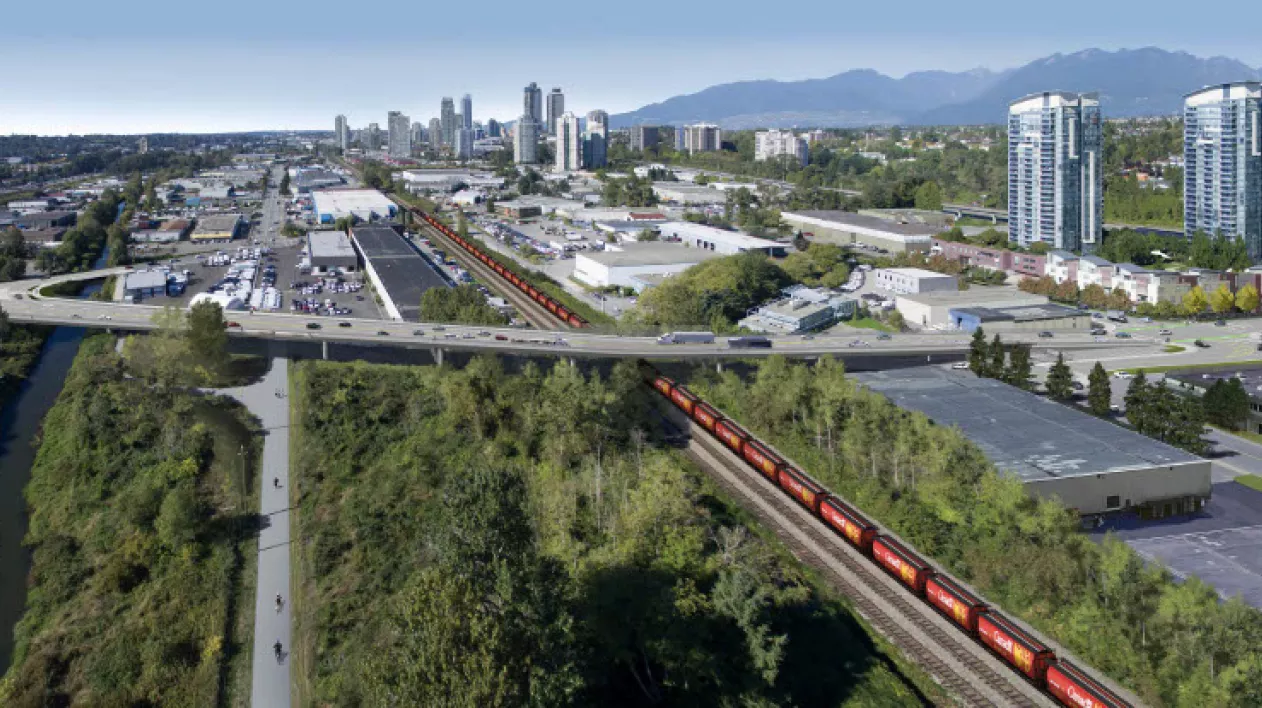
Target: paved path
(271,678)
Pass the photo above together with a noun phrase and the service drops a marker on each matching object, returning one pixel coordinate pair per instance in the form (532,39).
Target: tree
(1138,398)
(1247,299)
(929,197)
(1195,302)
(207,335)
(1099,393)
(978,352)
(1018,371)
(896,320)
(1118,300)
(996,368)
(1060,380)
(1093,296)
(1226,404)
(179,517)
(1221,300)
(284,184)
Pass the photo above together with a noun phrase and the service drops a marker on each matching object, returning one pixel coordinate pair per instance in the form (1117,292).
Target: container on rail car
(762,459)
(706,416)
(959,604)
(686,338)
(800,487)
(911,569)
(856,529)
(1074,688)
(1014,646)
(732,435)
(683,398)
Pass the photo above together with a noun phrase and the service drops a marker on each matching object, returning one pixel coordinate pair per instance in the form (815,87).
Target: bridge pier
(324,349)
(438,356)
(718,366)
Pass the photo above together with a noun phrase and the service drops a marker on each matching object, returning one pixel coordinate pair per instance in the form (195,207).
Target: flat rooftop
(218,222)
(977,296)
(845,220)
(915,273)
(1025,435)
(330,244)
(649,254)
(1024,313)
(404,273)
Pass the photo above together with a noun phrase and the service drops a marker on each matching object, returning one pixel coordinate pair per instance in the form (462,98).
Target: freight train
(553,306)
(1022,651)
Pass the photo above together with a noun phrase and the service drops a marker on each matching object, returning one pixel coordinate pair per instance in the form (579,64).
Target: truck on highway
(748,343)
(686,338)
(1116,316)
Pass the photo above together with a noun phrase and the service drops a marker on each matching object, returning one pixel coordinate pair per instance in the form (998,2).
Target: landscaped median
(1222,365)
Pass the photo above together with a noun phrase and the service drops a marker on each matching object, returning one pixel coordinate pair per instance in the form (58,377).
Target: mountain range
(1131,82)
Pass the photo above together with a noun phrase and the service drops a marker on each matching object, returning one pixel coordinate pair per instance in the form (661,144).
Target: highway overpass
(999,216)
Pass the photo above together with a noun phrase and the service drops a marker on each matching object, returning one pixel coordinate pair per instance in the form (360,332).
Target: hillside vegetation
(1174,643)
(481,538)
(139,533)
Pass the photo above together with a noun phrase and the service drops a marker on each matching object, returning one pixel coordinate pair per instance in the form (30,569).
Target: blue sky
(146,66)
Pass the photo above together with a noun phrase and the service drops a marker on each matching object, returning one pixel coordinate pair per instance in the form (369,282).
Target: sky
(141,66)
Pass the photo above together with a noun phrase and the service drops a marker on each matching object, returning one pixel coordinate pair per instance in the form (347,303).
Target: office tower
(600,117)
(644,137)
(569,145)
(532,103)
(556,107)
(596,144)
(770,144)
(1055,187)
(493,129)
(400,126)
(447,116)
(681,138)
(418,133)
(434,134)
(463,147)
(526,141)
(1222,171)
(702,137)
(466,111)
(372,137)
(342,133)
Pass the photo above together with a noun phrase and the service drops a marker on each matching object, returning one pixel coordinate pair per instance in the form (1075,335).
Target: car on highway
(1123,375)
(1165,332)
(1122,335)
(418,333)
(1220,323)
(343,324)
(232,325)
(439,328)
(1201,344)
(313,325)
(960,365)
(884,336)
(382,333)
(1045,335)
(484,333)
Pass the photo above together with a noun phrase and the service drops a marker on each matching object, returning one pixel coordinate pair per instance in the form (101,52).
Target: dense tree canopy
(716,293)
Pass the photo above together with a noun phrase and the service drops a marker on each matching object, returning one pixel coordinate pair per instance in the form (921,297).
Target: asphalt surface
(270,682)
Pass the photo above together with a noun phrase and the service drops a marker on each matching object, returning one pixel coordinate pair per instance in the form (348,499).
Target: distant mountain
(1134,82)
(1131,82)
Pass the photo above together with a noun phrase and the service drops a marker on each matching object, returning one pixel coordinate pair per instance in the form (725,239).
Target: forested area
(463,303)
(1174,643)
(481,538)
(141,525)
(19,349)
(714,294)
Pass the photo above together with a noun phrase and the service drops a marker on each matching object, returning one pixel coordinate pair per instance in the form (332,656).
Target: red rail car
(1073,688)
(857,530)
(663,385)
(732,435)
(957,603)
(1014,646)
(761,458)
(706,416)
(911,569)
(800,487)
(683,398)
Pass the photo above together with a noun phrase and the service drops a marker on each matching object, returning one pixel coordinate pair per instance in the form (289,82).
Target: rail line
(534,313)
(972,677)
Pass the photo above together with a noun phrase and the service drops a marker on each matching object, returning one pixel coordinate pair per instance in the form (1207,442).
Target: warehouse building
(1056,451)
(44,238)
(685,194)
(397,271)
(620,267)
(720,241)
(362,204)
(330,252)
(914,280)
(144,283)
(846,229)
(1027,318)
(933,309)
(518,210)
(218,227)
(46,219)
(802,309)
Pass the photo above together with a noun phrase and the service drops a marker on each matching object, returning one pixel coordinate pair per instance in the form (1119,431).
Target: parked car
(1123,375)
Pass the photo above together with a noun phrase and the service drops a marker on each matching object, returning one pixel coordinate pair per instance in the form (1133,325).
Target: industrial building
(1057,451)
(687,194)
(802,309)
(308,179)
(330,252)
(914,280)
(846,229)
(363,204)
(46,219)
(1025,318)
(397,271)
(619,267)
(933,310)
(144,283)
(708,238)
(218,227)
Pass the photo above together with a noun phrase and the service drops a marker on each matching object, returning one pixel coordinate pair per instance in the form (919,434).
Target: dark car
(1123,335)
(313,325)
(1220,323)
(382,333)
(1201,343)
(1045,335)
(884,336)
(343,324)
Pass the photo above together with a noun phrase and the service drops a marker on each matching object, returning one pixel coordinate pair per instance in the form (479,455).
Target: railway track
(534,313)
(964,669)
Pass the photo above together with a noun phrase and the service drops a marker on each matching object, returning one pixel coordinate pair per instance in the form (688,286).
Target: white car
(1164,332)
(960,365)
(1123,375)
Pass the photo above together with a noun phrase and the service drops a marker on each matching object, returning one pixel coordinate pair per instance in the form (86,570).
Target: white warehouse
(720,241)
(914,280)
(618,267)
(363,204)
